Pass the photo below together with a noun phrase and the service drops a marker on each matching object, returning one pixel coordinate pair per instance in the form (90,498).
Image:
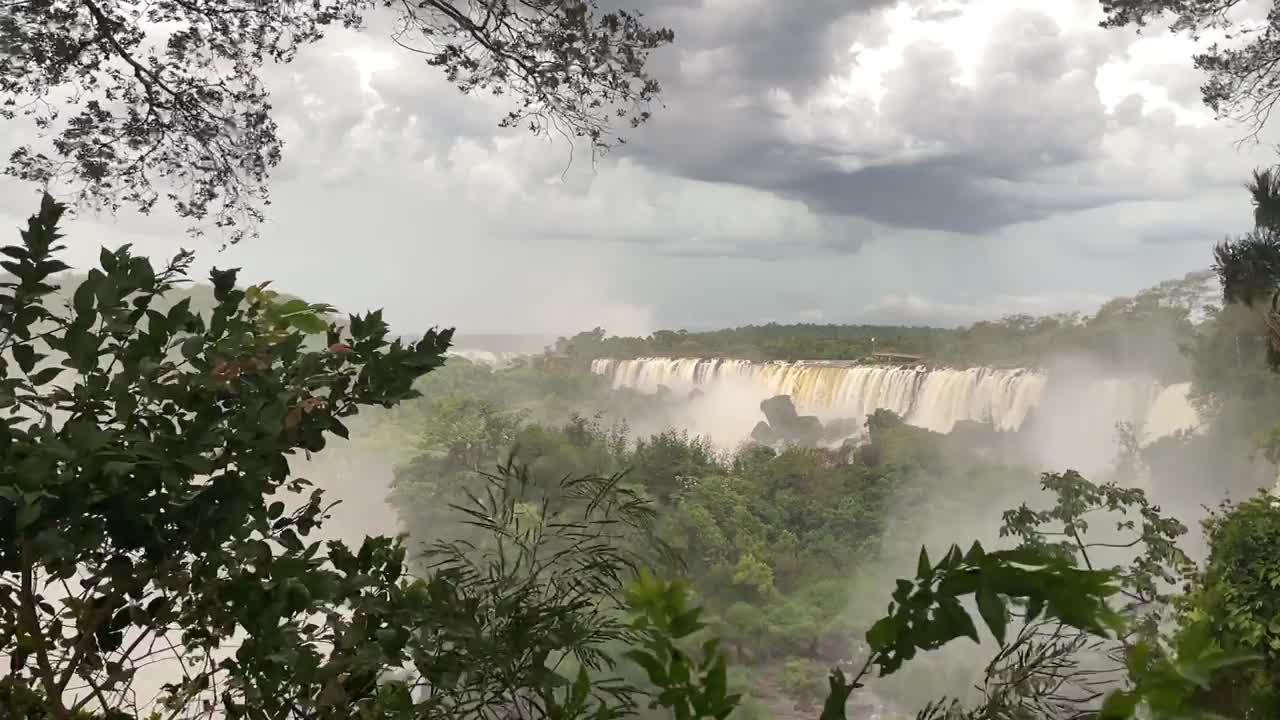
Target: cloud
(924,161)
(1021,135)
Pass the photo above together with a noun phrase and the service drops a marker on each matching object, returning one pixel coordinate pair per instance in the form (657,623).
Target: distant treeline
(1145,332)
(762,342)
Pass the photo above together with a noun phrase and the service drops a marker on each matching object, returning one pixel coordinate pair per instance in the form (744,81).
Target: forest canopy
(1139,333)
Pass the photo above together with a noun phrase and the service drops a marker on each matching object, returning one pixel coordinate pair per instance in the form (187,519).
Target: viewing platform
(903,358)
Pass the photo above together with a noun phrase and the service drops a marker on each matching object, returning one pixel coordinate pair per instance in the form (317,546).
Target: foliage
(1242,83)
(803,678)
(772,341)
(1048,669)
(1228,372)
(1248,267)
(167,100)
(539,591)
(927,613)
(149,516)
(1201,659)
(766,535)
(157,418)
(1039,586)
(1235,602)
(530,393)
(692,688)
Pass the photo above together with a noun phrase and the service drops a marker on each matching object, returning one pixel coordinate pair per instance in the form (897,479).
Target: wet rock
(764,434)
(783,425)
(779,410)
(805,430)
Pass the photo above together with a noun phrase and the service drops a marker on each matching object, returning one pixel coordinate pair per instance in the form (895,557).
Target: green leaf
(83,298)
(954,621)
(1119,705)
(678,672)
(883,633)
(992,609)
(192,346)
(651,664)
(1217,660)
(924,569)
(975,554)
(309,323)
(1138,657)
(1194,640)
(686,623)
(715,684)
(293,306)
(837,696)
(224,281)
(116,468)
(45,376)
(28,513)
(178,313)
(581,687)
(1035,606)
(25,355)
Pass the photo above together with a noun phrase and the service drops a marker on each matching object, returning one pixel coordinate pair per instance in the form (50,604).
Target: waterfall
(496,360)
(932,398)
(1171,412)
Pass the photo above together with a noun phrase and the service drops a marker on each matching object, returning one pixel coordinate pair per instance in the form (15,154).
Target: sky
(922,162)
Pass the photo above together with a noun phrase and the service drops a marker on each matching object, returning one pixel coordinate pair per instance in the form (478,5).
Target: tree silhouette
(164,101)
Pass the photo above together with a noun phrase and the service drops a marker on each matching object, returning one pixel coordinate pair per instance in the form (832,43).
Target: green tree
(141,459)
(1063,653)
(1236,597)
(1249,267)
(165,102)
(1242,81)
(147,511)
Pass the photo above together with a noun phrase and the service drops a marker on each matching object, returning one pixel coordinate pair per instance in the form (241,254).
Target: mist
(813,292)
(1072,411)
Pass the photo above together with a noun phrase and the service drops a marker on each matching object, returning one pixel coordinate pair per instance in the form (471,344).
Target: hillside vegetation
(1140,332)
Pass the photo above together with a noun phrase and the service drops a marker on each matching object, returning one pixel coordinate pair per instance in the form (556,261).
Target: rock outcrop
(784,426)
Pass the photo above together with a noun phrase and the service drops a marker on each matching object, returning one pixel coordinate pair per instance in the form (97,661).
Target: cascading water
(496,360)
(932,398)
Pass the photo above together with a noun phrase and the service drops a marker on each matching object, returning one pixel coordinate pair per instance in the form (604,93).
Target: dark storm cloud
(755,44)
(1020,139)
(1032,110)
(933,195)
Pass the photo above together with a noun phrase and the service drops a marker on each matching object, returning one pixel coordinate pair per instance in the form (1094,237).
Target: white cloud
(937,159)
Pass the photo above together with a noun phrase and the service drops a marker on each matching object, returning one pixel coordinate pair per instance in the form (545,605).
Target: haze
(1024,205)
(917,163)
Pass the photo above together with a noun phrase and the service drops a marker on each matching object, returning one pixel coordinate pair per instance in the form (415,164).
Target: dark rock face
(779,410)
(764,434)
(783,425)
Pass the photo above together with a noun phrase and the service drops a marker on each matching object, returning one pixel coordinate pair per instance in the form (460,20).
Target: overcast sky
(931,162)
